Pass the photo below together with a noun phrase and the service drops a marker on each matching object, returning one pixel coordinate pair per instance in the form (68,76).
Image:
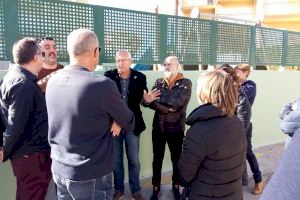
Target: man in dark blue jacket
(83,110)
(132,86)
(249,87)
(24,114)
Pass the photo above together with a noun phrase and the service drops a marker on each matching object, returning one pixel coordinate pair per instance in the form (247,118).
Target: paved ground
(268,158)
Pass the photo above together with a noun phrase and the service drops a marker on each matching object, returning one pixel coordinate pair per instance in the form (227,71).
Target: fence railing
(149,37)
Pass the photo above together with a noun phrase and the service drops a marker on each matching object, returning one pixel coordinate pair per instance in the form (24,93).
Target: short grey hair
(174,59)
(124,51)
(81,41)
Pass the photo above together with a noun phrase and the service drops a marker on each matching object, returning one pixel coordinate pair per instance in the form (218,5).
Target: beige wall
(273,90)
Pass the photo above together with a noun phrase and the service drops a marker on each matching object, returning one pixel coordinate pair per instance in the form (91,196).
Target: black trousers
(251,158)
(159,140)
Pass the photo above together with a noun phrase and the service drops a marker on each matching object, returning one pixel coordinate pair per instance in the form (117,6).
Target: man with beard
(50,63)
(168,122)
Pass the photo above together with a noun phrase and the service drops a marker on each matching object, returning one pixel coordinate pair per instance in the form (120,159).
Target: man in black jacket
(132,86)
(168,122)
(24,113)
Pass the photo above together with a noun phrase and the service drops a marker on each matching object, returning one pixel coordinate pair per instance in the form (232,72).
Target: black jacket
(24,114)
(213,155)
(243,110)
(137,85)
(176,98)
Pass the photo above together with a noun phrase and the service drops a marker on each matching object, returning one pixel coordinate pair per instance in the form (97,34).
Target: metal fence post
(213,42)
(11,32)
(252,52)
(284,48)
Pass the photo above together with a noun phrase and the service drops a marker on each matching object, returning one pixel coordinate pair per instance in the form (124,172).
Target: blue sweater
(81,108)
(250,89)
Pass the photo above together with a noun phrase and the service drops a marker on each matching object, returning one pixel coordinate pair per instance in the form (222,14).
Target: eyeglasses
(41,53)
(167,64)
(122,60)
(97,49)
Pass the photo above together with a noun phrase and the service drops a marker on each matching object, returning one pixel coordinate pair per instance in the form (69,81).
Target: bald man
(82,125)
(168,122)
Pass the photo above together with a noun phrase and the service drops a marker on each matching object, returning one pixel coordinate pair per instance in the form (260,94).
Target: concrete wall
(273,90)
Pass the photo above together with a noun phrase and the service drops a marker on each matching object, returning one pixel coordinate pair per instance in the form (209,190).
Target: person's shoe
(137,196)
(118,195)
(176,192)
(258,188)
(156,192)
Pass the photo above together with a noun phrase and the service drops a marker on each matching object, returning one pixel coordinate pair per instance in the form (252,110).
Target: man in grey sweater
(85,111)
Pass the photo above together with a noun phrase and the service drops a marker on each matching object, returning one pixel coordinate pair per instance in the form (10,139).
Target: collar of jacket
(26,72)
(204,112)
(131,74)
(172,82)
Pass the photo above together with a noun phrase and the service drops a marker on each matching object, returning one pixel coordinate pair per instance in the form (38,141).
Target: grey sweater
(284,184)
(81,108)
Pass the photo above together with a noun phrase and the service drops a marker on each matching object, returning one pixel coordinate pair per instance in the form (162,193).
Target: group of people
(83,121)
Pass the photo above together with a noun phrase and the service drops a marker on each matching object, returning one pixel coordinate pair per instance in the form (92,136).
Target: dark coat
(250,90)
(213,155)
(243,110)
(137,85)
(176,98)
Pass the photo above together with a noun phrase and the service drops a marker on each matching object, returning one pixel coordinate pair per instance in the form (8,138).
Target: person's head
(123,61)
(48,46)
(243,71)
(171,67)
(229,70)
(217,88)
(27,54)
(83,48)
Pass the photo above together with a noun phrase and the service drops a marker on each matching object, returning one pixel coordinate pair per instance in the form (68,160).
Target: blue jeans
(132,143)
(94,189)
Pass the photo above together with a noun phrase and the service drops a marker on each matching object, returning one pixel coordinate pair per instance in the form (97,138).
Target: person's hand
(115,129)
(171,110)
(151,96)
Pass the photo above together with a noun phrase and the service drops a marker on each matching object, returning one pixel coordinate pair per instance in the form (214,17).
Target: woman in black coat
(214,149)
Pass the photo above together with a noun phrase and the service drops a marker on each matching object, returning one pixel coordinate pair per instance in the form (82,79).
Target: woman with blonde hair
(214,149)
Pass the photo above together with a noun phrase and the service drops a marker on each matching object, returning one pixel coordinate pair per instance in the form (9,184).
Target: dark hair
(24,50)
(45,38)
(230,70)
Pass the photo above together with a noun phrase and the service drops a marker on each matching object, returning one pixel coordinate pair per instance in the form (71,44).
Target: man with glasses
(24,114)
(50,63)
(132,86)
(168,122)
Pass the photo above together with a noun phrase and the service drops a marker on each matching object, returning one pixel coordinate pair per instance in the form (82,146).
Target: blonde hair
(244,68)
(218,88)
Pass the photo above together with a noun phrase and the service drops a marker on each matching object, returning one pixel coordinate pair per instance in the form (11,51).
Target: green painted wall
(273,90)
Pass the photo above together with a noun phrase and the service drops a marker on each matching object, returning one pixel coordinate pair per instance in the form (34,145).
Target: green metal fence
(149,37)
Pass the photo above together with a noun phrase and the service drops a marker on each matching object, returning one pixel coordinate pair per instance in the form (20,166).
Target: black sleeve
(193,153)
(244,109)
(178,100)
(20,106)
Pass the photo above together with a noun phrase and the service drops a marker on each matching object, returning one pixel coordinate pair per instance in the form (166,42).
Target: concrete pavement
(268,157)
